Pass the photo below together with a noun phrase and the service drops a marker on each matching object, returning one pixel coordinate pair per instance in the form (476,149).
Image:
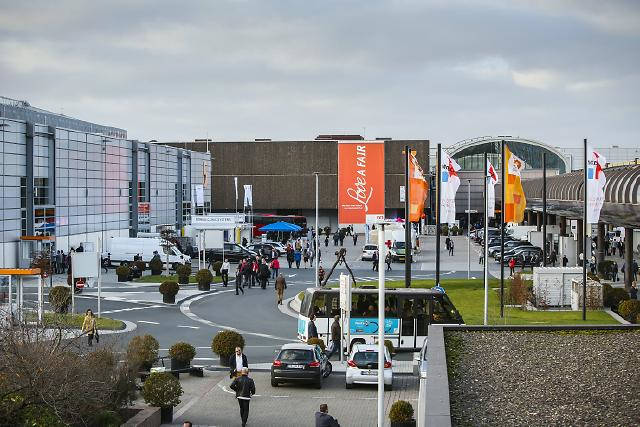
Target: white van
(123,249)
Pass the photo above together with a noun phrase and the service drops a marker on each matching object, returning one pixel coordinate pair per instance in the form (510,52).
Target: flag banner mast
(544,210)
(502,218)
(408,246)
(438,207)
(485,242)
(584,239)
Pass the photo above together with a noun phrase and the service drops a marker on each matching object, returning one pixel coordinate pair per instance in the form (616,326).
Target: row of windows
(11,148)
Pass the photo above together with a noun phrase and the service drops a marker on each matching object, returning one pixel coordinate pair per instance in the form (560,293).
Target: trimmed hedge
(629,310)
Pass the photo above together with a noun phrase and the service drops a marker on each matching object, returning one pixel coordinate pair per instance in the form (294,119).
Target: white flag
(248,197)
(235,180)
(596,181)
(492,180)
(449,183)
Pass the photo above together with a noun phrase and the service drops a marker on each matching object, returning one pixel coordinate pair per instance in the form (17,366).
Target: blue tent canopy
(281,226)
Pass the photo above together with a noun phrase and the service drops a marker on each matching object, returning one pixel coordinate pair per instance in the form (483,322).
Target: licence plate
(370,373)
(295,366)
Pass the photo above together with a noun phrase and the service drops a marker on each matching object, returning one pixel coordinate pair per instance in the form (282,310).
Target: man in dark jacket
(323,419)
(244,388)
(312,331)
(237,361)
(335,337)
(264,273)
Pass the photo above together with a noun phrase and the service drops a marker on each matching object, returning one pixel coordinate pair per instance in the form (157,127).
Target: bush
(389,346)
(401,411)
(316,341)
(455,230)
(629,310)
(155,265)
(162,389)
(141,265)
(217,266)
(169,288)
(444,229)
(594,277)
(182,351)
(142,351)
(106,419)
(183,270)
(204,276)
(517,292)
(60,298)
(123,271)
(605,268)
(613,296)
(225,343)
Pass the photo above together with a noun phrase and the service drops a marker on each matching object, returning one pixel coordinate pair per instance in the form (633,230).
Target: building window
(41,191)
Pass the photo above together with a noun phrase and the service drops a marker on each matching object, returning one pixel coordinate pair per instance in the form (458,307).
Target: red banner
(360,180)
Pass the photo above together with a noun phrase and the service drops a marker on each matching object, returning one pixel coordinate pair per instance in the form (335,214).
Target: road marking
(191,327)
(131,309)
(186,310)
(148,321)
(291,275)
(206,358)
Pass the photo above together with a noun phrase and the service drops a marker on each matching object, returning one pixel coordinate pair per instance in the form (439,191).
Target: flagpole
(502,221)
(438,198)
(408,246)
(485,242)
(584,239)
(544,210)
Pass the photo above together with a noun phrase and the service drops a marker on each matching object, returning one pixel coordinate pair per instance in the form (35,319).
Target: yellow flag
(514,200)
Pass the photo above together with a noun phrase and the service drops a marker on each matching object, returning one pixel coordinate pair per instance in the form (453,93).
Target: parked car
(258,247)
(362,366)
(420,361)
(516,252)
(298,362)
(514,244)
(232,251)
(278,245)
(368,251)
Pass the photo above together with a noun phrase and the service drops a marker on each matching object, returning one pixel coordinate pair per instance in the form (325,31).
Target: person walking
(244,388)
(326,241)
(237,361)
(336,237)
(355,239)
(239,286)
(634,270)
(59,262)
(512,266)
(565,260)
(374,259)
(451,245)
(323,419)
(281,285)
(387,260)
(341,237)
(255,268)
(275,267)
(614,271)
(264,274)
(312,331)
(297,256)
(224,272)
(89,327)
(305,256)
(290,255)
(481,258)
(447,242)
(336,333)
(320,275)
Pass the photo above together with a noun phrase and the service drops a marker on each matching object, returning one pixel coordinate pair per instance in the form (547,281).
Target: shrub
(455,230)
(389,346)
(142,351)
(316,341)
(169,288)
(517,291)
(141,265)
(401,411)
(217,266)
(60,298)
(605,268)
(204,276)
(444,229)
(155,264)
(162,389)
(225,343)
(629,309)
(594,277)
(182,351)
(613,297)
(106,419)
(184,270)
(123,271)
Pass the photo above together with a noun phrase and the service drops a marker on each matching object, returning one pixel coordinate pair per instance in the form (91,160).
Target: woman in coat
(89,326)
(297,256)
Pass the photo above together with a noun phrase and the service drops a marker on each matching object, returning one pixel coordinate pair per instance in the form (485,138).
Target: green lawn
(75,321)
(173,277)
(468,297)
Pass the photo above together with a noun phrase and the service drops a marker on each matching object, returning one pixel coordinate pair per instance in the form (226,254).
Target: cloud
(536,79)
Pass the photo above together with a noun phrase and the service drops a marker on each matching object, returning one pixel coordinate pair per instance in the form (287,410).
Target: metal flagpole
(502,222)
(99,273)
(584,239)
(544,210)
(485,244)
(408,245)
(381,250)
(438,197)
(468,229)
(317,229)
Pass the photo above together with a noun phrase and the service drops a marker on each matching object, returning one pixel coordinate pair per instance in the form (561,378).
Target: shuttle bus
(410,311)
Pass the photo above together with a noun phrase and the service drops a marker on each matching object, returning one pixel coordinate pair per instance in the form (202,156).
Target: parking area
(208,401)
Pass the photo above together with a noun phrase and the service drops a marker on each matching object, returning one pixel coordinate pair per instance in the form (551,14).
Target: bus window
(406,313)
(318,305)
(390,306)
(333,304)
(421,313)
(440,314)
(364,305)
(306,304)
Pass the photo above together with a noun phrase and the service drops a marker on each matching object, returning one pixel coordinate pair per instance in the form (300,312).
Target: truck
(121,250)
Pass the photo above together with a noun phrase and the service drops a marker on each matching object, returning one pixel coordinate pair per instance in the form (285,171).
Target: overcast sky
(553,70)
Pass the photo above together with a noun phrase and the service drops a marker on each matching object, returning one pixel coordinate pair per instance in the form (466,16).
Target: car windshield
(295,355)
(365,357)
(398,245)
(370,248)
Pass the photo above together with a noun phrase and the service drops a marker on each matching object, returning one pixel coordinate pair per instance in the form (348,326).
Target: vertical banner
(360,180)
(199,195)
(449,183)
(248,196)
(515,201)
(418,190)
(596,181)
(491,190)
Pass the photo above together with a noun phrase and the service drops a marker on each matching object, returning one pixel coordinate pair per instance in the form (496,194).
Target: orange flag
(514,199)
(418,190)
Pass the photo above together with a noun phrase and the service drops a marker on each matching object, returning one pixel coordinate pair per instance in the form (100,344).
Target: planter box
(204,287)
(179,364)
(183,280)
(411,423)
(169,299)
(122,278)
(156,272)
(224,360)
(166,415)
(148,416)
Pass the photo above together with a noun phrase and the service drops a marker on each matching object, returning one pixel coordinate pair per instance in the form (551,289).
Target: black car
(232,251)
(300,363)
(258,247)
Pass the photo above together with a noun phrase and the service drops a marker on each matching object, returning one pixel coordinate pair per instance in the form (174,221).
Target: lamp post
(316,237)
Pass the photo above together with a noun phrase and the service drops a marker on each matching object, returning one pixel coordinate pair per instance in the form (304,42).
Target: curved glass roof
(471,157)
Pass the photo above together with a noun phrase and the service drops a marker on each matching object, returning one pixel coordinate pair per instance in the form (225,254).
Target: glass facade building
(77,185)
